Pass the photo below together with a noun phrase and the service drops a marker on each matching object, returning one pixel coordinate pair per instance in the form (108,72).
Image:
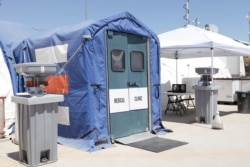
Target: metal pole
(248,19)
(86,9)
(176,70)
(176,66)
(249,25)
(212,67)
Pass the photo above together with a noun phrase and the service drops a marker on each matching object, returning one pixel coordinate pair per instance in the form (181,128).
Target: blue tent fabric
(86,69)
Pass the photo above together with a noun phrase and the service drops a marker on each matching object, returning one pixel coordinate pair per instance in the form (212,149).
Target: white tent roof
(191,42)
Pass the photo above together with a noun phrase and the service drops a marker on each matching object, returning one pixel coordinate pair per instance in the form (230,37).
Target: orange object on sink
(57,84)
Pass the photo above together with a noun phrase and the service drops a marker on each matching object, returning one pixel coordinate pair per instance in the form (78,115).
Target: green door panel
(128,83)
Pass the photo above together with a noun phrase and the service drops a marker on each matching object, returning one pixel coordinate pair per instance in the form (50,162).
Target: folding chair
(177,104)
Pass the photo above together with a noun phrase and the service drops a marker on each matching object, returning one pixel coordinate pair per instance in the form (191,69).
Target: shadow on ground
(171,116)
(188,117)
(224,113)
(14,155)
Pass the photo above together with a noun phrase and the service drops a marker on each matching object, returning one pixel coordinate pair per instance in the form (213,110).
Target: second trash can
(243,101)
(206,103)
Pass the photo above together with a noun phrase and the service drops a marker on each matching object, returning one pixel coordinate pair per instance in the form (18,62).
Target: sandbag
(217,122)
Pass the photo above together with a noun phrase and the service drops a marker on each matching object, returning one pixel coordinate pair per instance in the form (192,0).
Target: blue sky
(158,15)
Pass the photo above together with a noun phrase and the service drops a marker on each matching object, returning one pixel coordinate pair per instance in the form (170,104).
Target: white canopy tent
(7,108)
(194,42)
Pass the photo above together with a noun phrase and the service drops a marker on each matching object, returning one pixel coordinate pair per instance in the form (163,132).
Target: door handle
(134,84)
(129,84)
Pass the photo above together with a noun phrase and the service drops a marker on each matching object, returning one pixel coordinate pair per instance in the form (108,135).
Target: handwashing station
(205,95)
(36,115)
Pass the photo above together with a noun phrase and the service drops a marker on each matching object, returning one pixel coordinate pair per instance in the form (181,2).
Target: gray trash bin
(206,103)
(37,127)
(243,101)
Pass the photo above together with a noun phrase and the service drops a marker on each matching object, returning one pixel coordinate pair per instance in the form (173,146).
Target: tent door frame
(148,87)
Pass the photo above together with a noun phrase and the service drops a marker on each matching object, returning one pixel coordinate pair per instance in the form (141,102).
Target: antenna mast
(186,17)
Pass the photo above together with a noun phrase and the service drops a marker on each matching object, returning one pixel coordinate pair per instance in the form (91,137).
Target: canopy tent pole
(176,70)
(212,80)
(176,66)
(212,66)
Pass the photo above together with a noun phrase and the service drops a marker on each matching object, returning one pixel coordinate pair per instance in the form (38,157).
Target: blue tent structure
(109,73)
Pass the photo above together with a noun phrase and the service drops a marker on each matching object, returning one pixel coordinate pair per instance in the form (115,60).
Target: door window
(118,60)
(137,61)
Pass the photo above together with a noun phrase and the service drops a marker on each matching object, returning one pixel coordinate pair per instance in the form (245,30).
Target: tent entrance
(128,84)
